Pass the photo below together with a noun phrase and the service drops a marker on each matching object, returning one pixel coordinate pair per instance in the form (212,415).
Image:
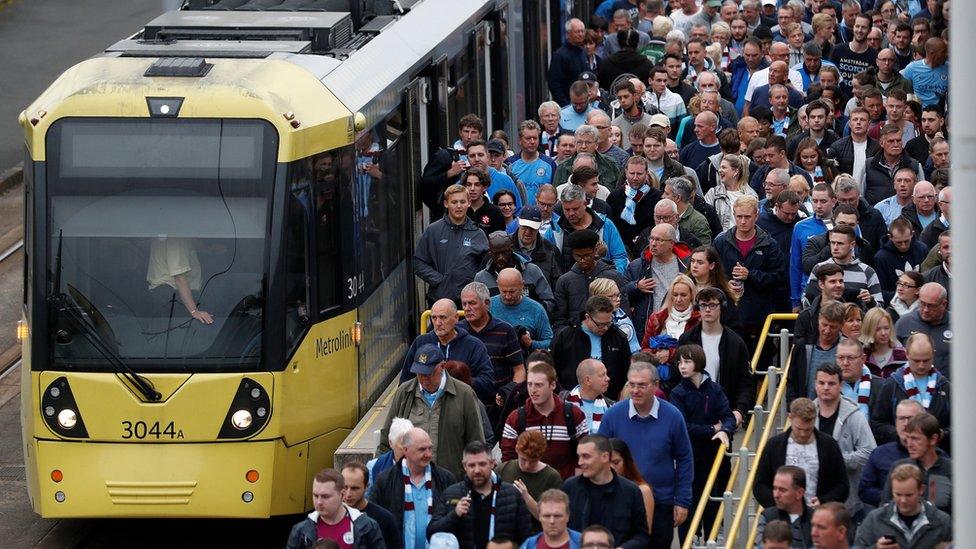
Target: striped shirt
(857,276)
(503,347)
(561,448)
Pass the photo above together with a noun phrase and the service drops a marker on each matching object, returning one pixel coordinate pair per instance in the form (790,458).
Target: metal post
(743,477)
(758,420)
(772,381)
(728,512)
(784,347)
(963,146)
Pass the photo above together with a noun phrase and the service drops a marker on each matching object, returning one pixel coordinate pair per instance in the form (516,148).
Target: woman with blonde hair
(609,289)
(885,354)
(733,173)
(677,315)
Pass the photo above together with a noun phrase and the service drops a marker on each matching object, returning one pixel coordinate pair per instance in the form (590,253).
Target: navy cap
(496,146)
(530,216)
(427,358)
(587,76)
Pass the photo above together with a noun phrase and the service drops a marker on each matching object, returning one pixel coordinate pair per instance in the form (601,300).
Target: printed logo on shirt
(947,334)
(467,242)
(347,538)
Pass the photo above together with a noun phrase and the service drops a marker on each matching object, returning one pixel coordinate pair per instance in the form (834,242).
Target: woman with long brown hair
(705,268)
(624,465)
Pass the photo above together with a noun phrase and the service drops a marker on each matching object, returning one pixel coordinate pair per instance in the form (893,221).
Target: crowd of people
(702,164)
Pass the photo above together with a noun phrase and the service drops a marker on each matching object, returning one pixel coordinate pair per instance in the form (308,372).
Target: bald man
(778,74)
(930,76)
(456,344)
(513,305)
(778,51)
(706,144)
(588,394)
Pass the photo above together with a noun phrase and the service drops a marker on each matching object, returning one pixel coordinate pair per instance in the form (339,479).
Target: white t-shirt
(712,359)
(805,457)
(761,78)
(860,162)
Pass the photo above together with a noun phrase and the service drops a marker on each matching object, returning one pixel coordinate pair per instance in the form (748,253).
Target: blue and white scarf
(630,206)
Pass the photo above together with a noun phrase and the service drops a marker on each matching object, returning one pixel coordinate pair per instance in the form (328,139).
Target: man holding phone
(908,521)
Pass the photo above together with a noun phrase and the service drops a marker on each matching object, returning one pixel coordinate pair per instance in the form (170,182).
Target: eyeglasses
(905,285)
(600,325)
(709,306)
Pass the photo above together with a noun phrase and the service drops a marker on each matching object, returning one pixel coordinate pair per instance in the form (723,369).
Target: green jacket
(457,415)
(695,223)
(609,172)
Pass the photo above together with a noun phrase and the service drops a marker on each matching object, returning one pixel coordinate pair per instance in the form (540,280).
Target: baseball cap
(531,217)
(496,146)
(714,3)
(769,2)
(587,76)
(426,359)
(660,120)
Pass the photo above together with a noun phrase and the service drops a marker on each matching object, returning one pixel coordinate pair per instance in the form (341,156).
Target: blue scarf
(630,206)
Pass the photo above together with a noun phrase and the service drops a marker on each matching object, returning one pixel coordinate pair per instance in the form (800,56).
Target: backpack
(567,416)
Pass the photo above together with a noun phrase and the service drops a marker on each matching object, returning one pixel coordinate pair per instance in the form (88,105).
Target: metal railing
(425,320)
(736,536)
(743,457)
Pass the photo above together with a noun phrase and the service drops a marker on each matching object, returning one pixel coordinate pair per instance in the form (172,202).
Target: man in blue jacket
(568,62)
(456,344)
(824,199)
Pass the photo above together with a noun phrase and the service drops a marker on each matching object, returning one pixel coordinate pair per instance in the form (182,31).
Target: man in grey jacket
(450,250)
(840,418)
(909,522)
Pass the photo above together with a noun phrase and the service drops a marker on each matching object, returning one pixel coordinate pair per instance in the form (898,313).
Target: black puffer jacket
(572,346)
(512,518)
(842,151)
(878,179)
(573,289)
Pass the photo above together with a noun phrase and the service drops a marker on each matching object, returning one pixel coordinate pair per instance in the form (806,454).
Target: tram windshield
(157,242)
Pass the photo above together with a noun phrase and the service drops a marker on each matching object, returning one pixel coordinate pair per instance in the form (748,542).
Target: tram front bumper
(153,480)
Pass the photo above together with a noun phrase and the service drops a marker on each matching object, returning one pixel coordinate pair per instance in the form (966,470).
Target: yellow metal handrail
(425,318)
(720,453)
(751,480)
(754,529)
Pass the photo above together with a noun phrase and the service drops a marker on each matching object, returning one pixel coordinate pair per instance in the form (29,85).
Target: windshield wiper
(72,312)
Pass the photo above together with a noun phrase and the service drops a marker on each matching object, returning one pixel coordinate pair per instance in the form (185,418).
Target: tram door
(416,98)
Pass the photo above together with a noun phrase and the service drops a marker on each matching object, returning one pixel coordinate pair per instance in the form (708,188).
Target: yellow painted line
(363,429)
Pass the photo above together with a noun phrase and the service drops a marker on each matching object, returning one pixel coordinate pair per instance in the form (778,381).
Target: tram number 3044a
(142,430)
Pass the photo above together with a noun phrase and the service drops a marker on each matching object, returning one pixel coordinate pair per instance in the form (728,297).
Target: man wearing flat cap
(444,407)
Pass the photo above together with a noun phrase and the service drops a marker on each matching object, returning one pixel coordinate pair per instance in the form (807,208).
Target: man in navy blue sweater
(657,436)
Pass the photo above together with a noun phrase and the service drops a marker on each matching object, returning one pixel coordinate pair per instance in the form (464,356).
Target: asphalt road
(41,38)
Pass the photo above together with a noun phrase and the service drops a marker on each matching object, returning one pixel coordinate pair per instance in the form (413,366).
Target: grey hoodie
(853,434)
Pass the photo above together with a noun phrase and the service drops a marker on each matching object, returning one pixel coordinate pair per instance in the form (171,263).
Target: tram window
(300,210)
(380,200)
(28,223)
(329,184)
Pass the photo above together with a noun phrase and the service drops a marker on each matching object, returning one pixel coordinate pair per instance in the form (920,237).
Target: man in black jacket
(356,477)
(573,287)
(632,205)
(481,506)
(855,149)
(567,62)
(869,219)
(574,344)
(427,482)
(809,449)
(599,496)
(789,493)
(733,370)
(880,170)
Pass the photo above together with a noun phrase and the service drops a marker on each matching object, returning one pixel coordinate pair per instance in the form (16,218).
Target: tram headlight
(67,418)
(248,412)
(242,419)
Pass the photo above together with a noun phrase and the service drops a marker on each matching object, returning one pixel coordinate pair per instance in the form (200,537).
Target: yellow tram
(220,216)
